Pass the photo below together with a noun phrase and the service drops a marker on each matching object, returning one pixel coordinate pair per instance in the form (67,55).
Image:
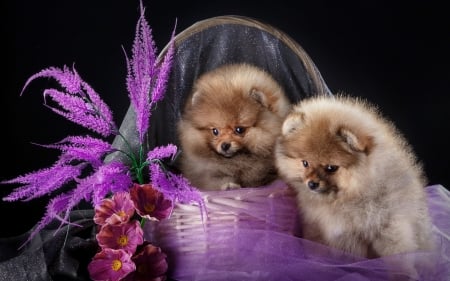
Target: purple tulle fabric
(253,252)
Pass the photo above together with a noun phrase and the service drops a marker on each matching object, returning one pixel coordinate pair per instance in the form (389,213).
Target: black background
(395,53)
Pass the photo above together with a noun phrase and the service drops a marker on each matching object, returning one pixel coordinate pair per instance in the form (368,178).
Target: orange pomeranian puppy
(359,185)
(229,126)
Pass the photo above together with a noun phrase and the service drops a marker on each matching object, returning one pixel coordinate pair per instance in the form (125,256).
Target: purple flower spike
(110,178)
(81,148)
(161,152)
(125,236)
(176,187)
(111,265)
(146,80)
(70,80)
(42,182)
(150,203)
(56,206)
(80,104)
(164,71)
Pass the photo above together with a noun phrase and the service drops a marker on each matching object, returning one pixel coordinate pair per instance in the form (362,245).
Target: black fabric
(64,255)
(53,254)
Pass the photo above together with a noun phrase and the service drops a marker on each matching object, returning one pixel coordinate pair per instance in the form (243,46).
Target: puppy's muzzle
(225,146)
(313,185)
(317,187)
(227,150)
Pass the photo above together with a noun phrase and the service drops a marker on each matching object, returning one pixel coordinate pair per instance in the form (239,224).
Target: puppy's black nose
(225,146)
(313,185)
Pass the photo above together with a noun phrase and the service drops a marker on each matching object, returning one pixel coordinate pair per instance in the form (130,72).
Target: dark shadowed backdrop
(395,54)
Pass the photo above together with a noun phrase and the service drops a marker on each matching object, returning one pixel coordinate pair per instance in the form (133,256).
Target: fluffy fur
(229,126)
(359,185)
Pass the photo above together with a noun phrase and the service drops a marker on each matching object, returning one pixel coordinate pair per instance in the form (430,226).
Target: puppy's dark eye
(331,168)
(239,130)
(305,163)
(215,131)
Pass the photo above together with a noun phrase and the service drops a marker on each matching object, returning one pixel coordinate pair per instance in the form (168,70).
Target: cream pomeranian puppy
(359,185)
(229,126)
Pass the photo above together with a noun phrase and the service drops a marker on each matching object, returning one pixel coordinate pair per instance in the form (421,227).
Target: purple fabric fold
(252,252)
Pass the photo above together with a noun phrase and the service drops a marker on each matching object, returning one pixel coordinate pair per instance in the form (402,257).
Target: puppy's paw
(230,186)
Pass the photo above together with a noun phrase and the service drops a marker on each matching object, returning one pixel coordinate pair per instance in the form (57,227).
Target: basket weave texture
(186,235)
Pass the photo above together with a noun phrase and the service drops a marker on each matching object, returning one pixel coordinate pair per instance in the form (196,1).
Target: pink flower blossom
(111,265)
(126,236)
(149,202)
(116,210)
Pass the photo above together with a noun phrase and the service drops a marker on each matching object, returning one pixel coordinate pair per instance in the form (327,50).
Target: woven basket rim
(202,25)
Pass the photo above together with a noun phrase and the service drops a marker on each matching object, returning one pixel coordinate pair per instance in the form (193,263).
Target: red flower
(151,264)
(149,202)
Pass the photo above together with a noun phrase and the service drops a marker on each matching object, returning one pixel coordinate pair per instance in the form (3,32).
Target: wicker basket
(190,239)
(236,220)
(270,207)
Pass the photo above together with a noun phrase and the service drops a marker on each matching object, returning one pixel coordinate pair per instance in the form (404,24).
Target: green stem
(143,222)
(137,163)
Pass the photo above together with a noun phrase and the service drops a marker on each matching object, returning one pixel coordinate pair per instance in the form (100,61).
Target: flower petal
(150,203)
(116,210)
(151,264)
(125,236)
(111,265)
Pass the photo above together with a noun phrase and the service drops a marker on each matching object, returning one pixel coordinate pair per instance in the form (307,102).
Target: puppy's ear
(293,122)
(195,98)
(258,96)
(270,100)
(356,142)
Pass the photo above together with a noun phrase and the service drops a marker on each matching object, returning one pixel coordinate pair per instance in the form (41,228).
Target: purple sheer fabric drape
(254,253)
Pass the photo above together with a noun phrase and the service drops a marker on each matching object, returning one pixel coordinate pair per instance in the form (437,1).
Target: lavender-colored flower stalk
(82,148)
(163,72)
(146,78)
(80,104)
(160,152)
(109,178)
(85,149)
(42,182)
(55,207)
(175,187)
(97,186)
